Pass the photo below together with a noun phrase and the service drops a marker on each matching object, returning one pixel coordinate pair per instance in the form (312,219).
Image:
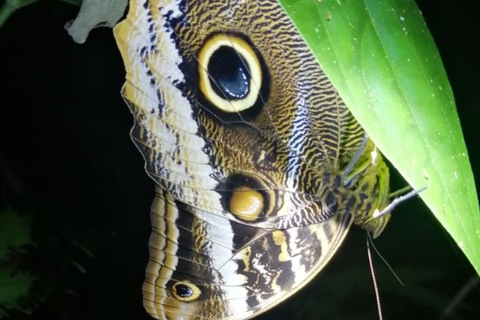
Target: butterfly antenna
(397,201)
(374,278)
(370,242)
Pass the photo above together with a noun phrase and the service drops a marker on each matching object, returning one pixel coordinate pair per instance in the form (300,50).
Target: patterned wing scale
(248,143)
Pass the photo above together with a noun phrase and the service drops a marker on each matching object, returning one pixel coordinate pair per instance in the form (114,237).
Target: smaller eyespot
(186,291)
(183,291)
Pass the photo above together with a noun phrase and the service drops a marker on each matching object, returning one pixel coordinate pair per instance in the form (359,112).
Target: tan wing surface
(248,141)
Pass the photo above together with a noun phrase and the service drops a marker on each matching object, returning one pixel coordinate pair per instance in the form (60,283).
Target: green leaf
(14,287)
(17,4)
(74,2)
(10,6)
(14,232)
(382,60)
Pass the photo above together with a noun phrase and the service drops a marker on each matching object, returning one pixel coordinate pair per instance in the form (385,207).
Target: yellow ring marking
(195,291)
(247,54)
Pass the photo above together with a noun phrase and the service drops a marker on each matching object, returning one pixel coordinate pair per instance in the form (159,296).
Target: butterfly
(260,168)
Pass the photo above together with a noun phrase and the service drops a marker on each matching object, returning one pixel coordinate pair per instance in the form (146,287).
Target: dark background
(68,161)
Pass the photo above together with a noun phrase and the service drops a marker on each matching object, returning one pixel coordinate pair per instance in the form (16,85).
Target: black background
(68,160)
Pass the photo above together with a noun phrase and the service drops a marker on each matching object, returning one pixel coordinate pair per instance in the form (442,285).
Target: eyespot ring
(185,291)
(209,86)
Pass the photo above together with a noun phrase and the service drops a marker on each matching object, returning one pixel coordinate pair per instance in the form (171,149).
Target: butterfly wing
(213,268)
(247,139)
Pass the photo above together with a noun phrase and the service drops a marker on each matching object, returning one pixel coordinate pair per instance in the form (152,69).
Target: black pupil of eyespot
(229,74)
(183,291)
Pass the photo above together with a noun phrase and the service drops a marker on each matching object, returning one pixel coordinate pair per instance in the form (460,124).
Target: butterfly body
(248,142)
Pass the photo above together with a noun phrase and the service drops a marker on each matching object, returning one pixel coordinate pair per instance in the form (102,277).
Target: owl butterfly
(249,144)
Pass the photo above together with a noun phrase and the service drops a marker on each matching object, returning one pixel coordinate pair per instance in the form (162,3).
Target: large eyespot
(185,291)
(230,73)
